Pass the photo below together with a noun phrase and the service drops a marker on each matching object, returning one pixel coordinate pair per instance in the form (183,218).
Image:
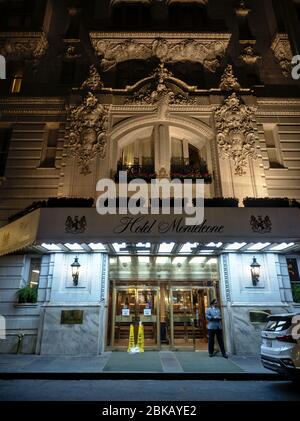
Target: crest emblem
(75,225)
(260,224)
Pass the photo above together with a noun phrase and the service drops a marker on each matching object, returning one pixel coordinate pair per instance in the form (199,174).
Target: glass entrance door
(187,317)
(182,306)
(131,306)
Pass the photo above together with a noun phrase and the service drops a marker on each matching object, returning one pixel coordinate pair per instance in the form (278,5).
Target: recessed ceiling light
(179,259)
(282,246)
(258,246)
(73,246)
(97,246)
(118,246)
(187,247)
(235,246)
(51,247)
(197,259)
(143,259)
(166,247)
(162,259)
(212,244)
(125,259)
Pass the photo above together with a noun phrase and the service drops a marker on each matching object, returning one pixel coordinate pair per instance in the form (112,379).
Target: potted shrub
(27,295)
(70,202)
(296,292)
(220,202)
(270,202)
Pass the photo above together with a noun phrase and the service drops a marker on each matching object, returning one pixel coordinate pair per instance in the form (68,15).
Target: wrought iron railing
(188,171)
(145,172)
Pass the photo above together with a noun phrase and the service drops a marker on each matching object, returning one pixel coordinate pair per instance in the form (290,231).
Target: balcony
(190,171)
(144,172)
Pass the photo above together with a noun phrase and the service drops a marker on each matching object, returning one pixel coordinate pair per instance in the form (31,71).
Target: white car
(280,349)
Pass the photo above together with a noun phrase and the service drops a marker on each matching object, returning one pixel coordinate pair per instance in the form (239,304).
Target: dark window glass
(5,135)
(49,155)
(68,72)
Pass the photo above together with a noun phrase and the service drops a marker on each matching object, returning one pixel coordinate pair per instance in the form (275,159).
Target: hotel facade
(174,89)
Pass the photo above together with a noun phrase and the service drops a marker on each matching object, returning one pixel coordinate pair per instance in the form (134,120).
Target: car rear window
(278,325)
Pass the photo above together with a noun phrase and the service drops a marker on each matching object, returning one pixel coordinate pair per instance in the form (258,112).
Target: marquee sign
(85,225)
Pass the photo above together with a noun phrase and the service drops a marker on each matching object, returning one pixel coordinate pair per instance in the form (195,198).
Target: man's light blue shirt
(210,313)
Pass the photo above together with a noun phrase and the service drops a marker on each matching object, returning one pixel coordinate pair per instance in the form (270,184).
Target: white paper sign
(147,311)
(125,312)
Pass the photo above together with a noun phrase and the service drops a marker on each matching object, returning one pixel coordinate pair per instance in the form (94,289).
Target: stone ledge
(25,305)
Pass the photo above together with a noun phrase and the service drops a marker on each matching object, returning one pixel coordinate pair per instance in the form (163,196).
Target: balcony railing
(145,172)
(192,172)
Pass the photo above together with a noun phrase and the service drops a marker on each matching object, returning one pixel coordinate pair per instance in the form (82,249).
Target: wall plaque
(71,317)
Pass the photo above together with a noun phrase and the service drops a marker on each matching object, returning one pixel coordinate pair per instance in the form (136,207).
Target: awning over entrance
(85,225)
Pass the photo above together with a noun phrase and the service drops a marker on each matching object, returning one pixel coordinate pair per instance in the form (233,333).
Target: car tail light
(286,338)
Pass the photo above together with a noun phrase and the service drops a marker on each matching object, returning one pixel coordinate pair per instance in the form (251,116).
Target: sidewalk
(162,364)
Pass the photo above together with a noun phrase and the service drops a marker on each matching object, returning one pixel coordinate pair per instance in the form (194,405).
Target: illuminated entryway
(173,313)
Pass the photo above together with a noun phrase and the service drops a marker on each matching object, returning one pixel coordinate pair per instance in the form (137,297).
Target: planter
(220,202)
(27,295)
(207,179)
(69,202)
(25,305)
(266,202)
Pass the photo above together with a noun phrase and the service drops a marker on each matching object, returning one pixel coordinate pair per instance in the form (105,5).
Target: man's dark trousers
(211,340)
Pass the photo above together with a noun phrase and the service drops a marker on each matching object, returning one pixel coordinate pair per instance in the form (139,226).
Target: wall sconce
(255,271)
(75,271)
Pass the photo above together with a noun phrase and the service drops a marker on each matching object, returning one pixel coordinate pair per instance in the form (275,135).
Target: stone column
(162,148)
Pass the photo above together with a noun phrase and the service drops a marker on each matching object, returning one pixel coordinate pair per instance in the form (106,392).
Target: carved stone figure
(249,55)
(229,81)
(93,82)
(283,52)
(235,132)
(86,134)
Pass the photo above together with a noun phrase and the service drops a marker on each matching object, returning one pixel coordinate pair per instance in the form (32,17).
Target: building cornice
(205,48)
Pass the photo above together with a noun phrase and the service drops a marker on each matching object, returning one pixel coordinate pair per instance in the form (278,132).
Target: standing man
(214,318)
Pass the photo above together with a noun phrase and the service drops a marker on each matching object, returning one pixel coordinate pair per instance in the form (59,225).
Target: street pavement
(148,390)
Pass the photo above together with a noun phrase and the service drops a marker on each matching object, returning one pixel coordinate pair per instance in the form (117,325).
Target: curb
(139,376)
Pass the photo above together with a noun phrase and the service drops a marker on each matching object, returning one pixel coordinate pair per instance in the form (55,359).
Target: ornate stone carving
(241,9)
(205,50)
(283,52)
(86,134)
(235,132)
(249,55)
(93,82)
(161,92)
(228,81)
(23,45)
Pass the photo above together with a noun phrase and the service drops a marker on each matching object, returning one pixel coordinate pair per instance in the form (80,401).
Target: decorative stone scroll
(207,49)
(86,134)
(235,132)
(161,91)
